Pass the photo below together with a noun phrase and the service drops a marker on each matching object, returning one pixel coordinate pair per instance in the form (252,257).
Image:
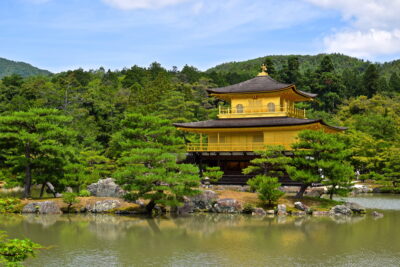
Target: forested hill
(9,67)
(307,63)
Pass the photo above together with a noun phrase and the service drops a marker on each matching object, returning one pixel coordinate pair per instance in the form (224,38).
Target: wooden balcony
(226,147)
(262,111)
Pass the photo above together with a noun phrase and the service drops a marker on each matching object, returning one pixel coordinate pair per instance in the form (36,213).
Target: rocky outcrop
(202,202)
(259,212)
(227,205)
(43,207)
(282,210)
(341,210)
(103,206)
(300,206)
(360,189)
(105,188)
(355,208)
(316,191)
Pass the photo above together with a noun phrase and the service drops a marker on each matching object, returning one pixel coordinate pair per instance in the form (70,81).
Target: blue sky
(66,34)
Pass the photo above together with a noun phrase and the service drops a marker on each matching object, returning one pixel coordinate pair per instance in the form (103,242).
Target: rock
(105,188)
(282,210)
(68,189)
(259,212)
(187,207)
(355,208)
(44,207)
(320,213)
(341,210)
(377,214)
(202,202)
(227,205)
(377,190)
(300,206)
(299,213)
(103,206)
(360,189)
(316,191)
(205,200)
(270,212)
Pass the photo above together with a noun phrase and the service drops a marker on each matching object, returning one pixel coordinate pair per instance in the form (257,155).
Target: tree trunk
(332,191)
(51,187)
(150,207)
(28,172)
(303,189)
(42,190)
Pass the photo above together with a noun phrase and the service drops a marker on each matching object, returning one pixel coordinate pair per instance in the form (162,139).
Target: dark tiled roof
(252,122)
(257,84)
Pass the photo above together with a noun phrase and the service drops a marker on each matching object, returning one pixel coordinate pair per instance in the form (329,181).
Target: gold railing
(213,147)
(245,111)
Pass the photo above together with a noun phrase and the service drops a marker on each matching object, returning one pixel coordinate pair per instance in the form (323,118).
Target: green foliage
(138,131)
(269,166)
(320,157)
(391,171)
(213,173)
(84,193)
(272,162)
(153,174)
(36,144)
(70,199)
(266,187)
(10,205)
(14,251)
(9,67)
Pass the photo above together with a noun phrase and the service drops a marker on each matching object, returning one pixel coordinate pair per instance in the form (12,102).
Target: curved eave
(197,128)
(303,96)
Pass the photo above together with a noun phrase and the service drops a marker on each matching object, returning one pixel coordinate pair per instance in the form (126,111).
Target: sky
(58,35)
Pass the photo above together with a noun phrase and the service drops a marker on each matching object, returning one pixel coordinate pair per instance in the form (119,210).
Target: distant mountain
(307,62)
(9,67)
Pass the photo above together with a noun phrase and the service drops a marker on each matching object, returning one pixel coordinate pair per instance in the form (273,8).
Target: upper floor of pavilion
(261,96)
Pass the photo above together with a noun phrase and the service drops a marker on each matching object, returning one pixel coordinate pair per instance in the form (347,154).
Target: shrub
(213,173)
(84,193)
(70,199)
(10,205)
(266,187)
(15,251)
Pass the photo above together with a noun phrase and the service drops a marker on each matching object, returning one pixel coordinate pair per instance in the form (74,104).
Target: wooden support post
(218,141)
(201,142)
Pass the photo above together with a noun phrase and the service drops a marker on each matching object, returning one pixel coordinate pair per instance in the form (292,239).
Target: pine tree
(36,143)
(371,80)
(153,174)
(269,166)
(391,171)
(320,157)
(394,82)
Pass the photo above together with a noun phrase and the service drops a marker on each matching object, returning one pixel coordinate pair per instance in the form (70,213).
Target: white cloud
(365,44)
(136,4)
(374,27)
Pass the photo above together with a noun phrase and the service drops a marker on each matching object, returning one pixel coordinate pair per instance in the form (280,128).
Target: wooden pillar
(201,142)
(218,141)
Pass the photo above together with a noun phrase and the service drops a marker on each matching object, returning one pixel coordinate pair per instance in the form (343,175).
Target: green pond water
(214,239)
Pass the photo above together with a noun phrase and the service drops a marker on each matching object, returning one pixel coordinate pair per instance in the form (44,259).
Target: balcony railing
(262,111)
(211,147)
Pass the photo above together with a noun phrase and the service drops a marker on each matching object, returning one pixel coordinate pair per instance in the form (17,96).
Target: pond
(212,239)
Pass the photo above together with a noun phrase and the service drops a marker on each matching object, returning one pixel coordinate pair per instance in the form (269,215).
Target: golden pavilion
(262,112)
